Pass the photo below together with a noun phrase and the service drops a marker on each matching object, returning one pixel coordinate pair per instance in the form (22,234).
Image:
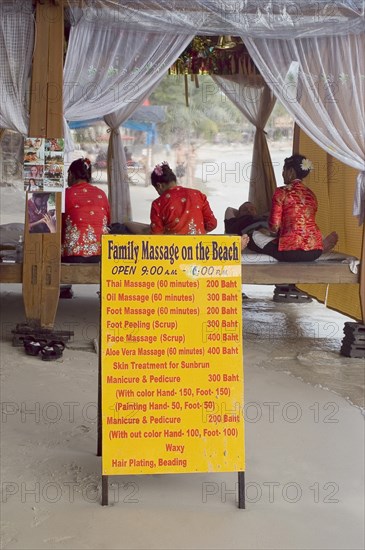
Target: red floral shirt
(182,211)
(292,217)
(86,219)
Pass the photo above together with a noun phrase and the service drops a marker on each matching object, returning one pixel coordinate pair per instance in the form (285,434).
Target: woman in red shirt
(292,218)
(86,217)
(178,210)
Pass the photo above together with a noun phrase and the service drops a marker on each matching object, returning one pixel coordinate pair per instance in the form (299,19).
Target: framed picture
(41,212)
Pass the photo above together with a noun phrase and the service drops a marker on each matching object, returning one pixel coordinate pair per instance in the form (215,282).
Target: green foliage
(52,199)
(209,111)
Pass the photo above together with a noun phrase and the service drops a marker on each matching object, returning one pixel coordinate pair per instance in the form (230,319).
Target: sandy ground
(304,444)
(304,410)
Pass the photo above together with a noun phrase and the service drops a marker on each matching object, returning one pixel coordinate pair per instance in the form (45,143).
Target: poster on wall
(41,211)
(43,164)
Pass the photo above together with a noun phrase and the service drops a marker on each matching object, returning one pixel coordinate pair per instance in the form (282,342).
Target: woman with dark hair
(32,185)
(38,214)
(86,217)
(178,210)
(292,219)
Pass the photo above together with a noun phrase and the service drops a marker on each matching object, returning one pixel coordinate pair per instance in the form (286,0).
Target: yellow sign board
(172,361)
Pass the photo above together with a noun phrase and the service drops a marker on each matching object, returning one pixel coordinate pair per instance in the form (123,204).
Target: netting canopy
(256,18)
(310,54)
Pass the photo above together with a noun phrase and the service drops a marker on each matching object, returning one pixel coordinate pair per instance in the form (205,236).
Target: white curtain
(256,101)
(321,82)
(16,49)
(118,182)
(108,68)
(117,71)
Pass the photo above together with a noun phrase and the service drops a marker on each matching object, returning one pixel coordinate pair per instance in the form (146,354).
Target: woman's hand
(50,222)
(33,224)
(245,239)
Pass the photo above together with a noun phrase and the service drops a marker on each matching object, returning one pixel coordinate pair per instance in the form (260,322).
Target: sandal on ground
(52,351)
(32,345)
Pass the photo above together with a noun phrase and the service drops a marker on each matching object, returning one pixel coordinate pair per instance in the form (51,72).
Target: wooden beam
(362,277)
(258,274)
(296,139)
(42,252)
(83,274)
(38,90)
(11,273)
(55,73)
(51,271)
(32,267)
(252,274)
(298,273)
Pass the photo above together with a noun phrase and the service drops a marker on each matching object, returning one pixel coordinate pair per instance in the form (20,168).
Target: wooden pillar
(296,139)
(362,277)
(42,252)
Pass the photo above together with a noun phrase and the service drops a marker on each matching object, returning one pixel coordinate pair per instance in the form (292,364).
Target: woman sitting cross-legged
(86,217)
(292,219)
(178,210)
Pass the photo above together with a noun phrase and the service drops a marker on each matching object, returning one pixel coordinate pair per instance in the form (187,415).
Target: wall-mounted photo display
(33,177)
(33,164)
(43,164)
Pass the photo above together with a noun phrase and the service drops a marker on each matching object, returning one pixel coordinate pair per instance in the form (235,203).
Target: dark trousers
(81,259)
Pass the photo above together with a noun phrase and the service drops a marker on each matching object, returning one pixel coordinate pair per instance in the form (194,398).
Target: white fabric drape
(109,68)
(118,181)
(321,82)
(256,101)
(117,71)
(16,48)
(118,184)
(105,71)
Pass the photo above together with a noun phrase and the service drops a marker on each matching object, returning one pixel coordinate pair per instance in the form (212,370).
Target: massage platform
(337,271)
(257,269)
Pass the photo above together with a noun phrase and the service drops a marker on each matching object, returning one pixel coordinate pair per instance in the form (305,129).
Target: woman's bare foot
(330,241)
(244,241)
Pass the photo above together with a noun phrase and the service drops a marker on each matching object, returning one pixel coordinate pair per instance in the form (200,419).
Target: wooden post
(296,138)
(42,252)
(362,277)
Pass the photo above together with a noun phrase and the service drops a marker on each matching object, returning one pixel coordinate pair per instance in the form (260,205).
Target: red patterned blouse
(182,211)
(292,217)
(86,219)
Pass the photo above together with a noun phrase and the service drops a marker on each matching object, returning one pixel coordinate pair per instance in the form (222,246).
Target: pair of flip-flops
(49,351)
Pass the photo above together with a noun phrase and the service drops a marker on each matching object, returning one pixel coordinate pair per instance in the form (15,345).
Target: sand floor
(304,444)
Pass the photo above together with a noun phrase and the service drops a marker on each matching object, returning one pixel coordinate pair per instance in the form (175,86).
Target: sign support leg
(99,412)
(99,422)
(241,490)
(104,490)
